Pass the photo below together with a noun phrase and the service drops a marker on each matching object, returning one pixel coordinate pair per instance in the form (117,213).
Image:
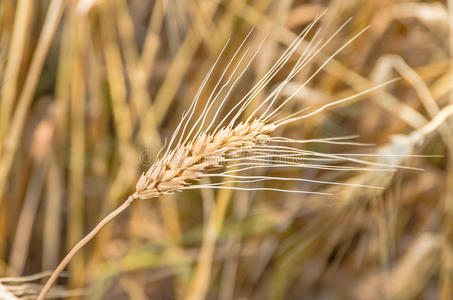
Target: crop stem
(81,244)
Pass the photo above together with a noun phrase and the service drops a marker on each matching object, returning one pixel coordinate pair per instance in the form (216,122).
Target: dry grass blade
(12,140)
(5,294)
(24,288)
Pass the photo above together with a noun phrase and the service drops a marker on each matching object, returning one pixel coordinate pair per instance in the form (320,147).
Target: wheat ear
(190,156)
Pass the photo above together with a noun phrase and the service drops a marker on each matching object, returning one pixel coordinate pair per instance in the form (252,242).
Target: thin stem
(80,245)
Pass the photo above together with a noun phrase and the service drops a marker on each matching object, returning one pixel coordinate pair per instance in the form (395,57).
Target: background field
(90,89)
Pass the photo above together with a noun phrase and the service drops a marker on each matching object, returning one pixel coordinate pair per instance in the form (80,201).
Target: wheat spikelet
(188,163)
(238,147)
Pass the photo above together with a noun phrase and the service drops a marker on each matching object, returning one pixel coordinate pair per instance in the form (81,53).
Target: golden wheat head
(232,146)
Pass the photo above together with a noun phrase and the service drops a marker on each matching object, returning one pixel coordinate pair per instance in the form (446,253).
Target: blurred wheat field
(89,91)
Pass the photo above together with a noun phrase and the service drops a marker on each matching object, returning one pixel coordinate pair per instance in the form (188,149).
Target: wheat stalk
(238,146)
